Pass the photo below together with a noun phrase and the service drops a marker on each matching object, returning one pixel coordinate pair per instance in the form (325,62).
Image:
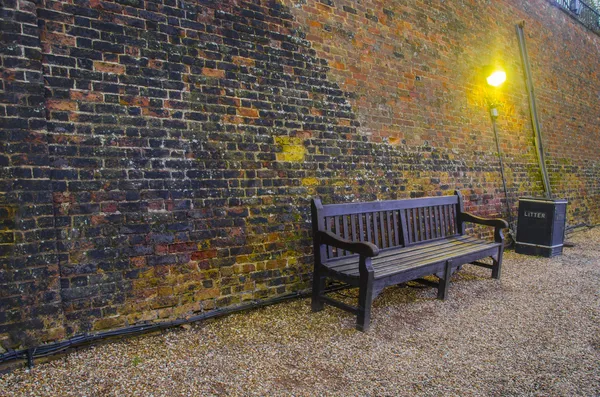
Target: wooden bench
(376,244)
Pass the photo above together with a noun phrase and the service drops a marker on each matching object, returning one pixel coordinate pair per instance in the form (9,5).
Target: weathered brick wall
(30,307)
(181,141)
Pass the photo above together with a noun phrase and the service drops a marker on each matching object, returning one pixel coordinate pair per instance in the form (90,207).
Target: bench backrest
(387,224)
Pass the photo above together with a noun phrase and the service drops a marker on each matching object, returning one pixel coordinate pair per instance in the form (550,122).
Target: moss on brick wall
(169,150)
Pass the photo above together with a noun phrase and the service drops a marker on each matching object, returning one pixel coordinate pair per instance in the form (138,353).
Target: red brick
(200,255)
(247,112)
(58,104)
(109,67)
(213,72)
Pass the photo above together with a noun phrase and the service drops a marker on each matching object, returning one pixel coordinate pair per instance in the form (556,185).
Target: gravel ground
(536,332)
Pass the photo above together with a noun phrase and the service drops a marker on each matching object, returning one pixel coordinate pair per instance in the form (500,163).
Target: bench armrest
(497,223)
(361,248)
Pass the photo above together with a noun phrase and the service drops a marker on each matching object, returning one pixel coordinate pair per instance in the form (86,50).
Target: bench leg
(497,266)
(445,282)
(363,321)
(317,289)
(365,299)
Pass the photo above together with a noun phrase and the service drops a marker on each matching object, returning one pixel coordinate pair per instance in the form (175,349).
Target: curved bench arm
(497,223)
(363,248)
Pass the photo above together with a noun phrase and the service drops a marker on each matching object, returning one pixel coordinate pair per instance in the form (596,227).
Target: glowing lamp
(496,78)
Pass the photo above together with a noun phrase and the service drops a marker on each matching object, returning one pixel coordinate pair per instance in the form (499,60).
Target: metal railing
(585,12)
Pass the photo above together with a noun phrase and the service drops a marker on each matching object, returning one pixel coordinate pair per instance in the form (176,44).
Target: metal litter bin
(541,226)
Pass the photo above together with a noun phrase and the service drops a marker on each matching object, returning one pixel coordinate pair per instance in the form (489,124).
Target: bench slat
(375,230)
(350,269)
(368,227)
(396,226)
(399,253)
(433,222)
(445,219)
(413,214)
(336,230)
(431,218)
(361,229)
(426,221)
(346,230)
(449,217)
(438,210)
(388,205)
(418,261)
(412,248)
(400,259)
(406,224)
(384,241)
(428,225)
(420,222)
(436,220)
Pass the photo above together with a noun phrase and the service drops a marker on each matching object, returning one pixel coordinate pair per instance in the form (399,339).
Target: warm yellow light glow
(496,78)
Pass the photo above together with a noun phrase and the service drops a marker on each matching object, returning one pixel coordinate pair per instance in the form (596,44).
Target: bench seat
(391,261)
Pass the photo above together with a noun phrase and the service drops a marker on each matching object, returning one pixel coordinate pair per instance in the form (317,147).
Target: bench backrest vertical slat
(384,240)
(335,229)
(413,216)
(368,227)
(444,224)
(426,221)
(434,216)
(421,229)
(415,223)
(415,227)
(453,221)
(448,210)
(407,223)
(429,222)
(341,232)
(375,229)
(440,222)
(346,229)
(397,234)
(393,220)
(423,233)
(347,232)
(390,230)
(353,226)
(405,238)
(361,228)
(443,219)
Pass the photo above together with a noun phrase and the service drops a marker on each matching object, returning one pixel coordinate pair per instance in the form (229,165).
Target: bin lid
(544,200)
